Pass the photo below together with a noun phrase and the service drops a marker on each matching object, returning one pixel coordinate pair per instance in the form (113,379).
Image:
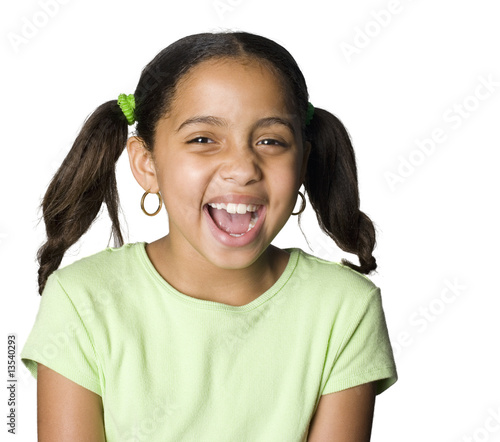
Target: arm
(66,410)
(344,416)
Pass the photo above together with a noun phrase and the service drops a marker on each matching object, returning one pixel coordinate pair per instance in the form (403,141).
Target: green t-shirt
(171,367)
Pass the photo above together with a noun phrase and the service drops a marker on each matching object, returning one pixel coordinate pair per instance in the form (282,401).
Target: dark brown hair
(86,178)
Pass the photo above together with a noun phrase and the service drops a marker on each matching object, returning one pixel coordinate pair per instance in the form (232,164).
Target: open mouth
(234,219)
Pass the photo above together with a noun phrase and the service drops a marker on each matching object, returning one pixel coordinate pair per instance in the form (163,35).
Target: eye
(271,142)
(201,140)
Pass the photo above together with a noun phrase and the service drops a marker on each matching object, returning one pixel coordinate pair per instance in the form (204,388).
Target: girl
(210,333)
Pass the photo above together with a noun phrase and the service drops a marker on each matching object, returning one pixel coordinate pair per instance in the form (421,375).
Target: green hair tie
(127,105)
(309,113)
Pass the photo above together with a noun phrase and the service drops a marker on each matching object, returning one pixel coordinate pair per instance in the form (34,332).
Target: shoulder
(99,263)
(109,267)
(330,289)
(334,275)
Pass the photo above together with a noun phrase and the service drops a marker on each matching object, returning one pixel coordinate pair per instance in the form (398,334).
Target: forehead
(245,79)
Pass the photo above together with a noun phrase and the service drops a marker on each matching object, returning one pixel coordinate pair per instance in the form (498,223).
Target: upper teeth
(234,208)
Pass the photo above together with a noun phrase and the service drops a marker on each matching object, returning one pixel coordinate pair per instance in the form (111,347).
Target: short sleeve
(364,353)
(60,341)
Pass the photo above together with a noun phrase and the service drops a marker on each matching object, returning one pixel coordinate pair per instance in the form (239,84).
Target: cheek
(284,185)
(287,177)
(185,175)
(185,184)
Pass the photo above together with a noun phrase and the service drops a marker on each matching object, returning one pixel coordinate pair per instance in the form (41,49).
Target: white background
(391,84)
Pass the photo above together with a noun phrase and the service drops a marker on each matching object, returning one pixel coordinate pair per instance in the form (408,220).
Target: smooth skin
(249,146)
(67,412)
(229,134)
(344,416)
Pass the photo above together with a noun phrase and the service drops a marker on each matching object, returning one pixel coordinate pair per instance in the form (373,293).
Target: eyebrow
(215,121)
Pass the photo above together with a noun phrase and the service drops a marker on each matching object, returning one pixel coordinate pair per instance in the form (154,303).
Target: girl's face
(228,144)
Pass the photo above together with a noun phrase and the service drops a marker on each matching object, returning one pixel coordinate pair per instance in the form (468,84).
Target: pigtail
(85,180)
(332,186)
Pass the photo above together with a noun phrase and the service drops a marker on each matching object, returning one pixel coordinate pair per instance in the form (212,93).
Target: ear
(305,158)
(142,165)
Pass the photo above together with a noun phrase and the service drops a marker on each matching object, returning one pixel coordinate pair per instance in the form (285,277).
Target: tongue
(230,222)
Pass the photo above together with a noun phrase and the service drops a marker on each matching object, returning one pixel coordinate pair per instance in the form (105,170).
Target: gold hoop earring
(160,203)
(302,206)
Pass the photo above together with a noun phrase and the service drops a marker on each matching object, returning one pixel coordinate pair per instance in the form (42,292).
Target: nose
(241,166)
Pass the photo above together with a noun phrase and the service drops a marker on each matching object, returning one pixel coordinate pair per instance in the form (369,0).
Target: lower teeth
(253,221)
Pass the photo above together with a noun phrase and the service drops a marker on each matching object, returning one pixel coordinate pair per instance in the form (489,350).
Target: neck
(209,282)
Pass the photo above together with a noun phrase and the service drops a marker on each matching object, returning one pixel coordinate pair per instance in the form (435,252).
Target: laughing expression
(228,160)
